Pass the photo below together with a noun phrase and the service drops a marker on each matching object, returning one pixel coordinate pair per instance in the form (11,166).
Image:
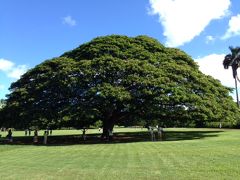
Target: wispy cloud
(233,27)
(11,69)
(68,20)
(183,20)
(209,39)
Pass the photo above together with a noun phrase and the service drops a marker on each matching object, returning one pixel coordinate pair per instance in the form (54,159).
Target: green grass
(185,154)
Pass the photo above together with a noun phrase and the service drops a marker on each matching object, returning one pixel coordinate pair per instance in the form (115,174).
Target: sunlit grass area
(184,154)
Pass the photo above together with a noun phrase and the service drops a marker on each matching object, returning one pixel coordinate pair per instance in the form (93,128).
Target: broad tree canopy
(118,80)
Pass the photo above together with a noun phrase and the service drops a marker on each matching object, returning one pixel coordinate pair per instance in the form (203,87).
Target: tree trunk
(105,133)
(107,126)
(236,87)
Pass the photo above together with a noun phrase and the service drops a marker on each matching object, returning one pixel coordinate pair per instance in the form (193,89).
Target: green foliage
(119,80)
(2,103)
(98,124)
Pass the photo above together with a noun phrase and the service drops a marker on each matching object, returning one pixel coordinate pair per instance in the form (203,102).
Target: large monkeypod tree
(118,80)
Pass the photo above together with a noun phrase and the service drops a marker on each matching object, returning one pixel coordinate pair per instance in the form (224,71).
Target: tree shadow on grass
(121,137)
(190,135)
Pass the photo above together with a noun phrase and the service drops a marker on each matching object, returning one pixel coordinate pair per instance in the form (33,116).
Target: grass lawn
(185,154)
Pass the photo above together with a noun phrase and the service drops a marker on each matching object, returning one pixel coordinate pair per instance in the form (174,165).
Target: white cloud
(12,70)
(212,65)
(209,39)
(233,27)
(17,71)
(185,19)
(69,21)
(6,65)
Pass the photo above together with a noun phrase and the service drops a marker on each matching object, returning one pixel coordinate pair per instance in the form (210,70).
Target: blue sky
(33,31)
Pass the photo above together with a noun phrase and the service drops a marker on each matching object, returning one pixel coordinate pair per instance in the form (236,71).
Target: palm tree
(233,60)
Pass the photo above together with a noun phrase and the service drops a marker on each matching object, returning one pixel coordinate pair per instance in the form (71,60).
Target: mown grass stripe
(210,157)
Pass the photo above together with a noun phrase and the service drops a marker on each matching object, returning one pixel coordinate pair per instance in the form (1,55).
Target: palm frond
(227,61)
